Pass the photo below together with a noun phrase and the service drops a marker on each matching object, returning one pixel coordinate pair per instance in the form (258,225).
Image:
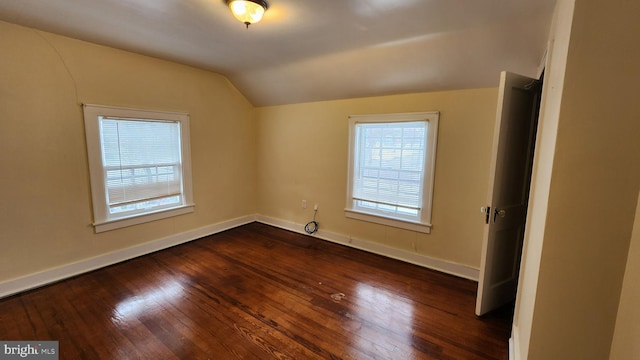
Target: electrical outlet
(315,207)
(304,204)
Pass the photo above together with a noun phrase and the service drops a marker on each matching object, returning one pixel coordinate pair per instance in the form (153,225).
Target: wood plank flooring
(257,292)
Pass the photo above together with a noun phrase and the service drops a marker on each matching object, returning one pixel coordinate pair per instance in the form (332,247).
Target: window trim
(423,224)
(103,221)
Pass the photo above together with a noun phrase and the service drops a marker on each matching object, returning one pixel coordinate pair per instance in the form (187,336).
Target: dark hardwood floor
(257,292)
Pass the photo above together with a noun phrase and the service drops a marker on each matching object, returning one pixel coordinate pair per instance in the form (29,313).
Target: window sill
(143,218)
(378,219)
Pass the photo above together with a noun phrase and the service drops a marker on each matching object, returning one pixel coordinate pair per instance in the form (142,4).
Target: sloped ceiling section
(307,50)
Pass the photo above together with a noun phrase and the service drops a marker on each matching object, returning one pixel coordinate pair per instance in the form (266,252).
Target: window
(139,165)
(391,169)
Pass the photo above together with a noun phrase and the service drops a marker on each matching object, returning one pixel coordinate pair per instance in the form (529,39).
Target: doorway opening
(509,184)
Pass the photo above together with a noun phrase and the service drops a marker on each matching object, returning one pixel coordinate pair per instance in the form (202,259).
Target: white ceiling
(306,50)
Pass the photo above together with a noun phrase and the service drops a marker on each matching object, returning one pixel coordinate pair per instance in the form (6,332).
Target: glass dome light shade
(248,12)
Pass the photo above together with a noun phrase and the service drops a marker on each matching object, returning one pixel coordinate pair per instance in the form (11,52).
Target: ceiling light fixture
(248,11)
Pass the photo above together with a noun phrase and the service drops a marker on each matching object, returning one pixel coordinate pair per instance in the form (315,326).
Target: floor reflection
(380,308)
(150,300)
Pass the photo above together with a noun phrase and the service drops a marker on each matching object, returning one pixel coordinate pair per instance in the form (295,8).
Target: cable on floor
(312,226)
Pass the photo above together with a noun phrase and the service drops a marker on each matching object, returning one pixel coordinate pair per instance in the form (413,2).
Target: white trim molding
(399,223)
(514,342)
(421,192)
(35,280)
(444,266)
(175,153)
(49,276)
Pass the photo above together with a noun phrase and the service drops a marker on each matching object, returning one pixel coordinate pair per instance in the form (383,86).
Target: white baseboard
(448,267)
(49,276)
(45,277)
(514,353)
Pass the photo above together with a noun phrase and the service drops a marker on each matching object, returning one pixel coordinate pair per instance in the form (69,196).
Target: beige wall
(625,341)
(302,154)
(593,189)
(45,208)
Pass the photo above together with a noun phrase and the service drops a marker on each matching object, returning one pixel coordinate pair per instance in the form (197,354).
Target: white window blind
(389,165)
(142,163)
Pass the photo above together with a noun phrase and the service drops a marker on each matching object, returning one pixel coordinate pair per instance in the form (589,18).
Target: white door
(510,176)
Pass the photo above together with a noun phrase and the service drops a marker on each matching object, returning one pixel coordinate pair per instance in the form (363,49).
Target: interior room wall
(303,153)
(541,178)
(45,207)
(627,332)
(593,189)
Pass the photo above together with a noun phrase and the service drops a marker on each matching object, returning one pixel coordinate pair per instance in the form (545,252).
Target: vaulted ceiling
(306,50)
